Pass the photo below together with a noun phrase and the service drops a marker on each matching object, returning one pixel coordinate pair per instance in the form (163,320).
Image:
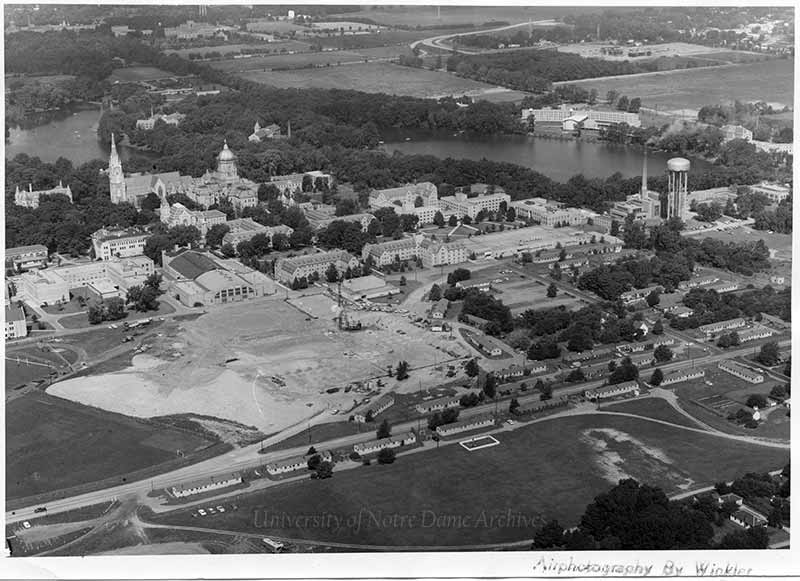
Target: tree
(513,406)
(458,275)
(550,535)
(314,461)
(115,308)
(95,314)
(575,376)
(662,353)
(552,290)
(324,470)
(215,234)
(657,377)
(658,328)
(756,400)
(546,391)
(402,370)
(332,273)
(653,298)
(471,368)
(452,221)
(435,294)
(228,250)
(490,385)
(769,354)
(403,281)
(623,103)
(154,281)
(384,431)
(438,219)
(386,456)
(634,105)
(611,97)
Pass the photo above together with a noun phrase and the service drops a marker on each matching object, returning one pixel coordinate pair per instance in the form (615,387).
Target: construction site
(271,363)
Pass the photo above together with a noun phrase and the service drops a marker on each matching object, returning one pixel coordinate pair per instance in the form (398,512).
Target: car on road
(509,421)
(40,509)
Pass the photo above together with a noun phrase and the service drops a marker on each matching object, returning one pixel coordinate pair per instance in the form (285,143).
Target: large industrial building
(200,278)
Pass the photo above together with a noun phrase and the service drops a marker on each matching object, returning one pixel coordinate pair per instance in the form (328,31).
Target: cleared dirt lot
(266,364)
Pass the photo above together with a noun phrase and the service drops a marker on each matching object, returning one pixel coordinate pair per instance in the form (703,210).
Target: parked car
(201,512)
(40,509)
(26,524)
(221,508)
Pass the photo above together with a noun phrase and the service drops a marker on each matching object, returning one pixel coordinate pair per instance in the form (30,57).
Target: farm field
(375,78)
(306,59)
(134,74)
(669,49)
(535,473)
(273,355)
(53,444)
(771,81)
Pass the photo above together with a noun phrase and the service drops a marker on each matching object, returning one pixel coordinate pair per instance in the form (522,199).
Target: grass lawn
(321,433)
(18,374)
(546,470)
(651,407)
(134,74)
(53,443)
(72,306)
(771,81)
(380,77)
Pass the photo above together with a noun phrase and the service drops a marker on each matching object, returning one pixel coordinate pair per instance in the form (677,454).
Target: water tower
(677,186)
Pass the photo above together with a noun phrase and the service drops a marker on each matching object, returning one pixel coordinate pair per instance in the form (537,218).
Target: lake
(72,134)
(69,133)
(558,159)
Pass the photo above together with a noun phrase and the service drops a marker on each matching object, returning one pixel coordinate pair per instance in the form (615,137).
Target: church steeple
(116,177)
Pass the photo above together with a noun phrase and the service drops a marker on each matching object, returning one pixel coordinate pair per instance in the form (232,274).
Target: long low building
(378,406)
(757,332)
(391,442)
(740,371)
(438,404)
(530,408)
(293,464)
(206,485)
(486,344)
(475,423)
(683,375)
(613,390)
(719,326)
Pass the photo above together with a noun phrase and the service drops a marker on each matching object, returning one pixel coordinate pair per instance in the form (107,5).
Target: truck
(276,546)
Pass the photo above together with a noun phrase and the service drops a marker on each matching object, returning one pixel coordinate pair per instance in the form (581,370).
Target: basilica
(213,186)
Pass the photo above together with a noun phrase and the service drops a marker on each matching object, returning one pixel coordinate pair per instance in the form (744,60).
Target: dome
(678,164)
(227,155)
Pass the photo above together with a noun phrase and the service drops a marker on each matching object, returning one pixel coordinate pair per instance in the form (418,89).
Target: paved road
(437,42)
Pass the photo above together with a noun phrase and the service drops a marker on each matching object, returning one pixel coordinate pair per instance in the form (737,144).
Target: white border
(417,565)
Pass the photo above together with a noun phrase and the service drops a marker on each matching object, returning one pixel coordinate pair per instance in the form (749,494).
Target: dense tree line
(485,306)
(711,307)
(535,70)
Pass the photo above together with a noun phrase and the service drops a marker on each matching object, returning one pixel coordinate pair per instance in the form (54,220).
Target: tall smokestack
(643,193)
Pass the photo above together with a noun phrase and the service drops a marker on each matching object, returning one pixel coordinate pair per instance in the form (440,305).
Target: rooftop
(191,264)
(14,314)
(25,249)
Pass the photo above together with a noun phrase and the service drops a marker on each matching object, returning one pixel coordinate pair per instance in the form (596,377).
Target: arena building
(199,277)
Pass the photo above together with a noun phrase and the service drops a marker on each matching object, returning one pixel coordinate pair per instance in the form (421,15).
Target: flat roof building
(26,257)
(119,242)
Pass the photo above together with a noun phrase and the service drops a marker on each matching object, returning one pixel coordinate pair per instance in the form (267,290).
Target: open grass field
(265,363)
(53,444)
(133,74)
(771,81)
(274,47)
(535,473)
(651,407)
(668,49)
(380,77)
(523,294)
